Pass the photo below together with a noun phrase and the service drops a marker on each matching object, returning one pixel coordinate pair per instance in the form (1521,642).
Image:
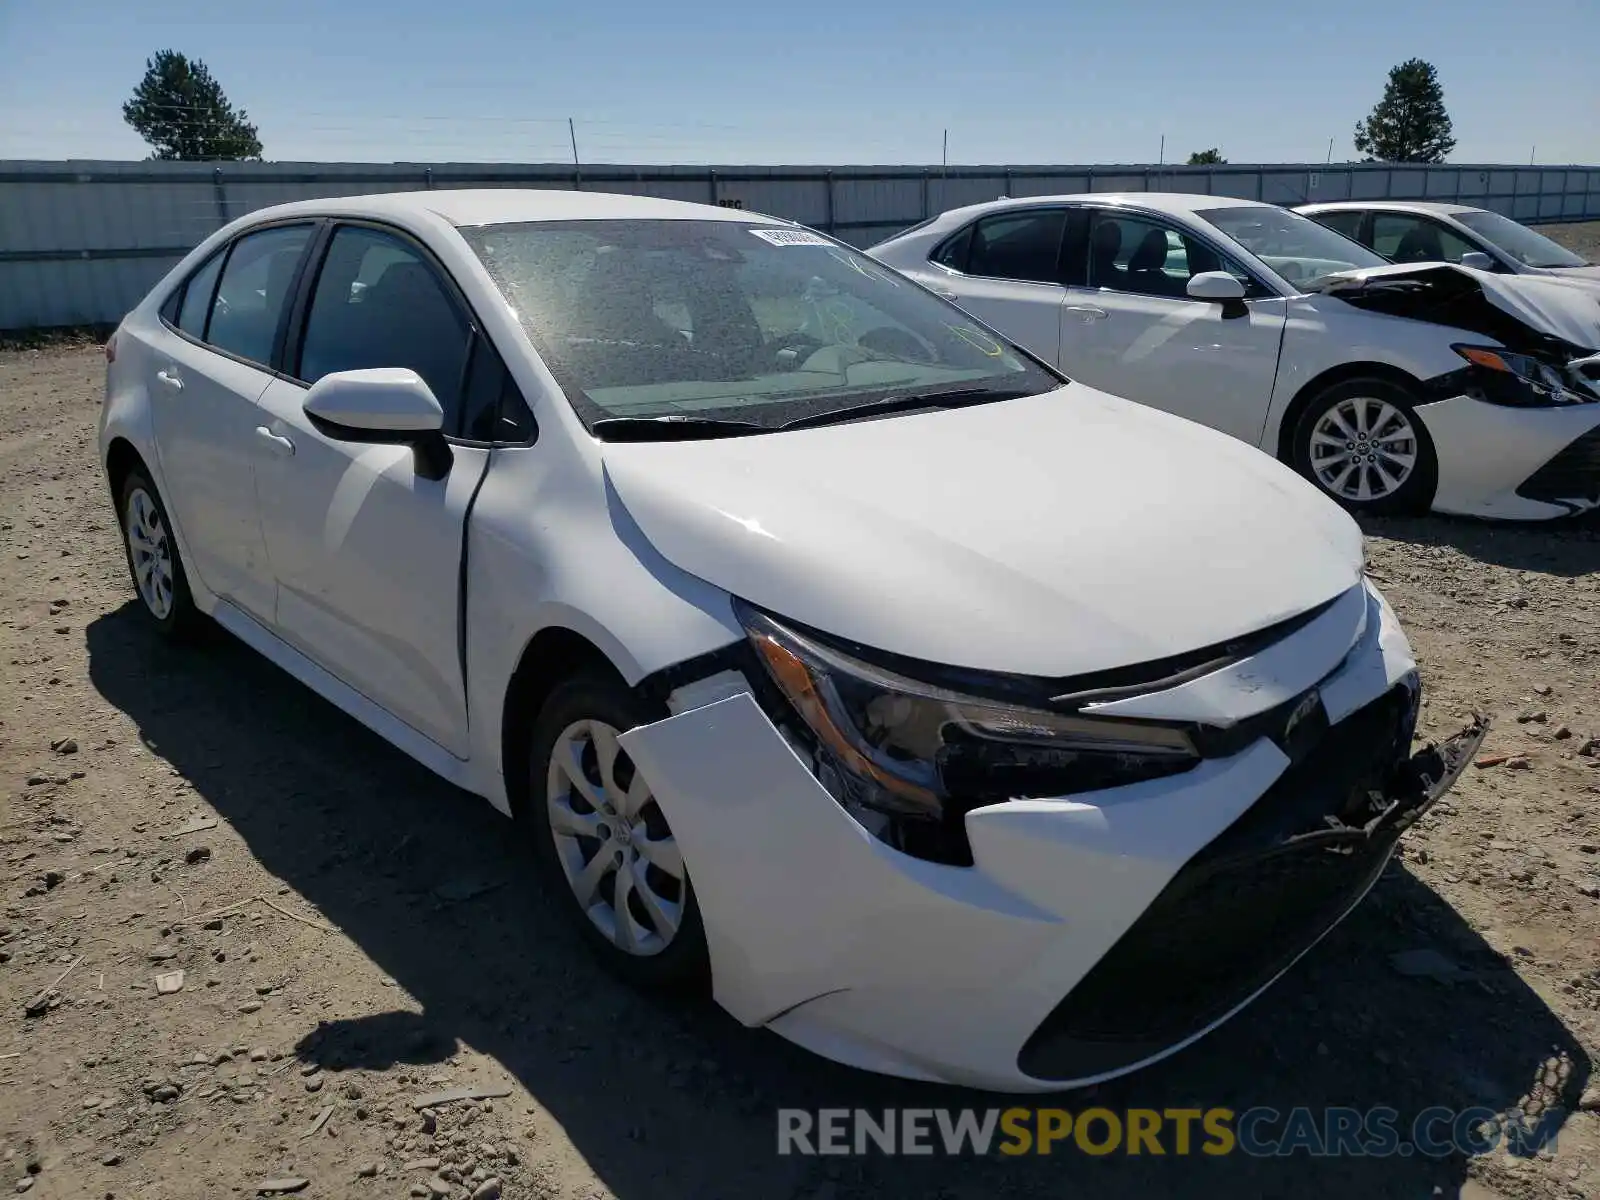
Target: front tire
(154,564)
(602,841)
(1361,442)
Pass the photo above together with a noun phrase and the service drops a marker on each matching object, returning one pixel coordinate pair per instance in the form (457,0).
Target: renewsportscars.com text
(1258,1132)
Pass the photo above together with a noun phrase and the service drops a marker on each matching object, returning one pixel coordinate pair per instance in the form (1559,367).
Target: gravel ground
(352,934)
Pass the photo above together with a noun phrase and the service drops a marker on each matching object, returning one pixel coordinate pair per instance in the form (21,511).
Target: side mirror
(1215,285)
(1477,260)
(382,405)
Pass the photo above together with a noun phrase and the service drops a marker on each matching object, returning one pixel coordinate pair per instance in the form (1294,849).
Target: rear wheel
(1363,444)
(153,559)
(603,841)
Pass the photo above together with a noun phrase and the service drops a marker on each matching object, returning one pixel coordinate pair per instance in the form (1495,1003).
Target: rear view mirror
(1477,260)
(384,405)
(1215,285)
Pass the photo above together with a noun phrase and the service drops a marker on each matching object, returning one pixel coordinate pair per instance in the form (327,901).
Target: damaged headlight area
(909,758)
(1528,381)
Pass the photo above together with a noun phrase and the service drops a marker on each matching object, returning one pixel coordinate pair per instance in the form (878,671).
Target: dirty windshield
(722,321)
(1296,247)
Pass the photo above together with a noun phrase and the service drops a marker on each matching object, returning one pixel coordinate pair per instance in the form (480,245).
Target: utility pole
(944,161)
(577,168)
(1531,153)
(1330,151)
(1161,158)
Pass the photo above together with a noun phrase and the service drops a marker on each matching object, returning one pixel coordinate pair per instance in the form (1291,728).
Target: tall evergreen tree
(181,111)
(1410,123)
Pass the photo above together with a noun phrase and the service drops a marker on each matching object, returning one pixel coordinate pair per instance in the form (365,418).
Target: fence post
(427,178)
(716,191)
(221,194)
(927,204)
(827,181)
(1008,183)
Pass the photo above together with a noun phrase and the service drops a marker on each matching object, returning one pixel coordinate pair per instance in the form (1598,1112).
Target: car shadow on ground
(1569,547)
(669,1100)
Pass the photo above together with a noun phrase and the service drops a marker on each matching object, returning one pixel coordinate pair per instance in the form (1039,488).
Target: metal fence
(81,242)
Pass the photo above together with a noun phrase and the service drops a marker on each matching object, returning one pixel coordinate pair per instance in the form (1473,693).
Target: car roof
(1428,206)
(499,206)
(1173,203)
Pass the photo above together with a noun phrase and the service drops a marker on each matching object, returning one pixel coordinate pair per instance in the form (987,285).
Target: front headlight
(910,748)
(1524,381)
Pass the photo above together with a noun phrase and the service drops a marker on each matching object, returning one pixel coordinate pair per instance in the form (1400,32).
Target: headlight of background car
(909,748)
(1524,381)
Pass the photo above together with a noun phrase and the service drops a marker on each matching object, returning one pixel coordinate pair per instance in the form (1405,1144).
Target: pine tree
(1410,123)
(181,111)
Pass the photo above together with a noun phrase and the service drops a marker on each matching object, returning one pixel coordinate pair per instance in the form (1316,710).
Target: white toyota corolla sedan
(1393,388)
(954,720)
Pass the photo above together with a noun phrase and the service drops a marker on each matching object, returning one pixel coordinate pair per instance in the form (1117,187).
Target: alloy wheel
(615,847)
(150,548)
(1364,449)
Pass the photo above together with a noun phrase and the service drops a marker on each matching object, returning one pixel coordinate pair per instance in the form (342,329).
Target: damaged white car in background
(825,646)
(1392,388)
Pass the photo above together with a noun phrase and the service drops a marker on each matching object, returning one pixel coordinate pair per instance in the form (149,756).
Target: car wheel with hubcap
(153,559)
(603,840)
(1363,444)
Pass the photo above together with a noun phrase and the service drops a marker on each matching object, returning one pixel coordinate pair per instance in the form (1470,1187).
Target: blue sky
(1038,81)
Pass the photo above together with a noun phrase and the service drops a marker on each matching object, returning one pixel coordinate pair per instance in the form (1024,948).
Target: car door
(367,550)
(1129,327)
(209,367)
(1005,270)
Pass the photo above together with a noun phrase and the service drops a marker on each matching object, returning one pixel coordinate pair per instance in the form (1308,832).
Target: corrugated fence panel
(82,241)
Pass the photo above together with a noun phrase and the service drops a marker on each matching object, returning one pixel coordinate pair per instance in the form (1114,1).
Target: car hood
(1508,307)
(1052,535)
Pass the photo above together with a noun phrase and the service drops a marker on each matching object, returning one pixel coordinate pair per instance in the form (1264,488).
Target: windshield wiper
(672,427)
(960,398)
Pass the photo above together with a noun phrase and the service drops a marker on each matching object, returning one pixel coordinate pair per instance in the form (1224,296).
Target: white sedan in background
(821,641)
(1411,231)
(1393,388)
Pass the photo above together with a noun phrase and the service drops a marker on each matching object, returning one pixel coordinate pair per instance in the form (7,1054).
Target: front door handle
(944,293)
(171,378)
(1088,312)
(280,444)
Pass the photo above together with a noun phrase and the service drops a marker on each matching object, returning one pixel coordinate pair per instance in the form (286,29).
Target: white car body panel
(1242,374)
(1142,343)
(1007,573)
(894,965)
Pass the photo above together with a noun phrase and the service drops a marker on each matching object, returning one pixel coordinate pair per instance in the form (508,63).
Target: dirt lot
(354,934)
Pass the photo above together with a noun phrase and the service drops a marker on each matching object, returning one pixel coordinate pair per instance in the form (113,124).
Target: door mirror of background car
(1215,285)
(383,405)
(1477,260)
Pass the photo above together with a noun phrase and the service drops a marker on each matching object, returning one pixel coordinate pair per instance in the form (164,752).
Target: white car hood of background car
(1545,303)
(1052,535)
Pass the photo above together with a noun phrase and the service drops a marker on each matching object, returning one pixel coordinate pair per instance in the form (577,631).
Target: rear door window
(254,291)
(1346,221)
(1025,246)
(197,296)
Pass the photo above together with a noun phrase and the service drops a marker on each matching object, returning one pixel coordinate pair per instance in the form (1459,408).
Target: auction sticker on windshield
(791,237)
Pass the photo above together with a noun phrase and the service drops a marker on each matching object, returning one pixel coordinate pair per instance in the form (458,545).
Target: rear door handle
(1088,312)
(171,378)
(280,444)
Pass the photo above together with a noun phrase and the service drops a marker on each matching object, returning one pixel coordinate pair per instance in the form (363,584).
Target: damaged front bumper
(1092,934)
(1514,463)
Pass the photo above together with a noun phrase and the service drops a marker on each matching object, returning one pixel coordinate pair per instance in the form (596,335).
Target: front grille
(1239,911)
(1573,474)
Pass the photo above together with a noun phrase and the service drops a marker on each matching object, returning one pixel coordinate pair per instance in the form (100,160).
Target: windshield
(1523,244)
(727,321)
(1296,247)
